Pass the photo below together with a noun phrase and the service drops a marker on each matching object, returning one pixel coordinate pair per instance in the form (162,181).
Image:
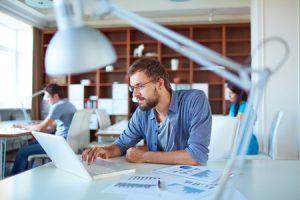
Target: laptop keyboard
(94,169)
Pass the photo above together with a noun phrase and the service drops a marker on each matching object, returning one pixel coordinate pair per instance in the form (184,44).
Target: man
(60,116)
(175,124)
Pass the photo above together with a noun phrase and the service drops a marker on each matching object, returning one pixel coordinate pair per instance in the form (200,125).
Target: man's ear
(161,83)
(56,96)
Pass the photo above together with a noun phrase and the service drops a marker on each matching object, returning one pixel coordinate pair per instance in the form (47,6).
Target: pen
(158,184)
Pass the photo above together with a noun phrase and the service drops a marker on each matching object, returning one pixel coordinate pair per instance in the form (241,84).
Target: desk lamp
(26,117)
(69,52)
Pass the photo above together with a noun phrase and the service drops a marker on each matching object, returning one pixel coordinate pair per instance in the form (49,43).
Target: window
(16,58)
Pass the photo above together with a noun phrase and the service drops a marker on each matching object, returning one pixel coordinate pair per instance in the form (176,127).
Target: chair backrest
(273,135)
(103,118)
(79,131)
(223,134)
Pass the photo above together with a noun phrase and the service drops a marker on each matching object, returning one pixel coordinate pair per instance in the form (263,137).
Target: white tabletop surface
(260,179)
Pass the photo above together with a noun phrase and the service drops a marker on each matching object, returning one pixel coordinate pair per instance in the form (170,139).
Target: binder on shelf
(120,106)
(120,91)
(201,86)
(76,92)
(106,104)
(79,104)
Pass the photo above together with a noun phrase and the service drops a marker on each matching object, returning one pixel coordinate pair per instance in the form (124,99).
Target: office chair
(79,132)
(104,122)
(274,135)
(78,135)
(272,140)
(223,135)
(103,118)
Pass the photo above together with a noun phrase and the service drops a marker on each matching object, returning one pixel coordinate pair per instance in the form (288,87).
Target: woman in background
(238,100)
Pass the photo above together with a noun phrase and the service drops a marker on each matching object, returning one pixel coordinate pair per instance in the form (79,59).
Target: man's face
(145,91)
(51,99)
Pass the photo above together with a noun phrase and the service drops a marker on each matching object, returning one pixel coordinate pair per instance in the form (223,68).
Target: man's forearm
(174,157)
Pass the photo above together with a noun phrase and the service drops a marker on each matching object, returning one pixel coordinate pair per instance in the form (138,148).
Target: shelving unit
(231,40)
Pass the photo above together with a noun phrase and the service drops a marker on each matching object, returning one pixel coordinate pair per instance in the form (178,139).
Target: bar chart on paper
(139,182)
(184,189)
(193,172)
(144,184)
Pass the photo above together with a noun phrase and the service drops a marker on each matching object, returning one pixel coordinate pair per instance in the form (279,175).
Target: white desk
(261,180)
(114,130)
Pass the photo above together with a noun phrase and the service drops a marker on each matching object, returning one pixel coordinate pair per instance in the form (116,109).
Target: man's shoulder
(64,104)
(187,94)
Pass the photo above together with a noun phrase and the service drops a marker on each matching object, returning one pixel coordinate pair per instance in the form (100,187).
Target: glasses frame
(139,86)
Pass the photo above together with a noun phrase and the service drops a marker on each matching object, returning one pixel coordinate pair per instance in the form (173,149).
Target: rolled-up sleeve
(130,136)
(200,128)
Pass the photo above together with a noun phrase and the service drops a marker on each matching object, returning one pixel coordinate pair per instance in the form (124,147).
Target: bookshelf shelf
(232,40)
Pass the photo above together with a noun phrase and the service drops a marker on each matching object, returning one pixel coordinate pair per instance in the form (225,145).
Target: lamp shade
(78,50)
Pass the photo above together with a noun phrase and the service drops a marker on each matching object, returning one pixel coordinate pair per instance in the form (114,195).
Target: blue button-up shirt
(189,115)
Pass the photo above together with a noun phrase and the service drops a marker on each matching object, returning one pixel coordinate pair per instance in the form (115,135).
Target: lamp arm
(26,116)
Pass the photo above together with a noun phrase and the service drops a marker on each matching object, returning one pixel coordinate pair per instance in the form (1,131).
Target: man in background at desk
(175,124)
(60,116)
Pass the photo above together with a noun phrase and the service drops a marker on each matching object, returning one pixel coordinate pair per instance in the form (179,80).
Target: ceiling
(40,12)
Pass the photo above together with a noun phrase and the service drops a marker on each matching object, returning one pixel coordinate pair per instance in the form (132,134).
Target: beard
(149,103)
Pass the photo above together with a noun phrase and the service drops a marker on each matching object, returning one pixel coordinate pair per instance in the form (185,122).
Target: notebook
(64,158)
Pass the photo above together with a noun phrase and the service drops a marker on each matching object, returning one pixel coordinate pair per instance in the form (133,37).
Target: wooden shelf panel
(238,32)
(183,62)
(115,36)
(206,33)
(112,77)
(137,36)
(216,107)
(75,79)
(184,77)
(231,40)
(206,77)
(115,70)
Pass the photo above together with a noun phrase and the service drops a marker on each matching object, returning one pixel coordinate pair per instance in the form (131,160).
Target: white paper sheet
(193,172)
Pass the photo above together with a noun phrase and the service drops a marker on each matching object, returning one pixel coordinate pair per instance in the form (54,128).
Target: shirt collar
(173,105)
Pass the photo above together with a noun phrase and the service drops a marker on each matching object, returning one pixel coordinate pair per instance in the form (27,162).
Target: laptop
(64,158)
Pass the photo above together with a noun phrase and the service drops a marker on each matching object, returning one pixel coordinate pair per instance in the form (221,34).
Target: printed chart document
(162,186)
(145,184)
(175,183)
(199,173)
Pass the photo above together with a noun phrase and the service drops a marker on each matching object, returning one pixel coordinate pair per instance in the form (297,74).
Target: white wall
(279,18)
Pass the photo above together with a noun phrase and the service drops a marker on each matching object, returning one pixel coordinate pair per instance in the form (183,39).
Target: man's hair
(53,89)
(152,68)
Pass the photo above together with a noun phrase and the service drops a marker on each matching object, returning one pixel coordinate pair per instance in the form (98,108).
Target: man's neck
(162,107)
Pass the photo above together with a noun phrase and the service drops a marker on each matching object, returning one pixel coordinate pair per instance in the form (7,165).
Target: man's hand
(90,155)
(135,155)
(17,126)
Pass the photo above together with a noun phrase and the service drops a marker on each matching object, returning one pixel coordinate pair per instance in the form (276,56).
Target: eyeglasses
(138,87)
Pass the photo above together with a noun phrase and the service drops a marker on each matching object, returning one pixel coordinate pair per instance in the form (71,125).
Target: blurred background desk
(110,133)
(9,133)
(259,180)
